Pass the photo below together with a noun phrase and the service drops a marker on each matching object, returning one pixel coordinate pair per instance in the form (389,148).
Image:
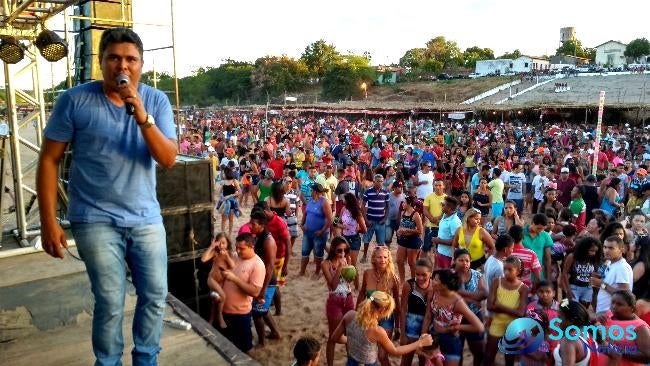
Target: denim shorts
(388,323)
(312,242)
(352,362)
(429,234)
(354,241)
(582,293)
(376,229)
(451,346)
(391,228)
(410,242)
(413,326)
(472,337)
(261,309)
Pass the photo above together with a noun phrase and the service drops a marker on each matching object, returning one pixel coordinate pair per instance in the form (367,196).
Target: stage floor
(45,319)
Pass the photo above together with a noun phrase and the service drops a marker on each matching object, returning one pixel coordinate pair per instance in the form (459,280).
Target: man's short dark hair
(306,349)
(119,35)
(452,201)
(259,216)
(619,242)
(517,233)
(503,241)
(246,238)
(540,219)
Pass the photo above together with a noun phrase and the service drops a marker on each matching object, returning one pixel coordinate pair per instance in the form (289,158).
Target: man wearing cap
(564,187)
(214,160)
(639,180)
(230,156)
(375,211)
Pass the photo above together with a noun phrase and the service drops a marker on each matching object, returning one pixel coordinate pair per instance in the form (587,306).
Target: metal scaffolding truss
(23,20)
(20,146)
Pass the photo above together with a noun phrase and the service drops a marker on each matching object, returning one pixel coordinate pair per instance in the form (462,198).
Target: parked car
(444,76)
(475,75)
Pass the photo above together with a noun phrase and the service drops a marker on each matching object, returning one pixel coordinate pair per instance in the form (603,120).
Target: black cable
(73,256)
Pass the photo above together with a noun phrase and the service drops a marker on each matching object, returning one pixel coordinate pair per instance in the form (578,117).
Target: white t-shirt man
(616,273)
(423,190)
(493,269)
(515,184)
(538,183)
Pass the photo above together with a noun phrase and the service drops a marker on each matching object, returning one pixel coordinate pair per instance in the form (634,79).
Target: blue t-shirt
(428,156)
(112,175)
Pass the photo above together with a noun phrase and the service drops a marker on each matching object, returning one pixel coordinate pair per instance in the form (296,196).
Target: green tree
(413,58)
(276,75)
(343,79)
(147,77)
(637,48)
(473,54)
(232,80)
(444,51)
(432,66)
(318,56)
(572,47)
(511,55)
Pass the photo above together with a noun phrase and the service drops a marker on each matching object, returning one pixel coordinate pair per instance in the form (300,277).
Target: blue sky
(208,32)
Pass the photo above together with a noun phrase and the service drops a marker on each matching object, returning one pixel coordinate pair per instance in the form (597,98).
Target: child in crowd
(540,356)
(432,354)
(530,265)
(545,303)
(307,352)
(220,253)
(507,302)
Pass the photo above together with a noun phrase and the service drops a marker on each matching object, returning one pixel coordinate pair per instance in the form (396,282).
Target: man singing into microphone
(113,208)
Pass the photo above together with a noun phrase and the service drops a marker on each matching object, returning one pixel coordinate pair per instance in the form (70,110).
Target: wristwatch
(148,122)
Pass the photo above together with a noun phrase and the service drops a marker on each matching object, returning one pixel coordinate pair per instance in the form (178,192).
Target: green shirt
(542,241)
(496,187)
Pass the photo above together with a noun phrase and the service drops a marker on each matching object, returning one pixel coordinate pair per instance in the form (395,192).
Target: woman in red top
(636,351)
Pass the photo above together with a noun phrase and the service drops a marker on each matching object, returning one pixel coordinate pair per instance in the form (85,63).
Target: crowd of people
(491,222)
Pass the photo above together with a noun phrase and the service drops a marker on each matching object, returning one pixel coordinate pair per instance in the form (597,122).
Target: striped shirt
(529,263)
(305,188)
(376,202)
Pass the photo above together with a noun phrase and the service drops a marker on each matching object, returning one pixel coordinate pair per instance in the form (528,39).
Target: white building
(522,64)
(528,64)
(501,66)
(611,53)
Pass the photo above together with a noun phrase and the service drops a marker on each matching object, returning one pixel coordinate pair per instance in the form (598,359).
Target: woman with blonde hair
(365,338)
(474,238)
(382,277)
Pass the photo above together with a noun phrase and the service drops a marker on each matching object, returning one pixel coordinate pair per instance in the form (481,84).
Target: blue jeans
(429,234)
(106,250)
(391,228)
(379,230)
(312,242)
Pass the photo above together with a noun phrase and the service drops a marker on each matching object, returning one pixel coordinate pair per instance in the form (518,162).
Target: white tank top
(583,362)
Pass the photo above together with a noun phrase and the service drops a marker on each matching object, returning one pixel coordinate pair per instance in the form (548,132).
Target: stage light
(11,51)
(51,46)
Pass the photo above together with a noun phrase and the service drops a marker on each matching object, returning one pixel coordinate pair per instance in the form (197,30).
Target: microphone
(123,79)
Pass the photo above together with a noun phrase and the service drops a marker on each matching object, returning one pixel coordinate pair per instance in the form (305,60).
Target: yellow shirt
(299,157)
(327,183)
(433,203)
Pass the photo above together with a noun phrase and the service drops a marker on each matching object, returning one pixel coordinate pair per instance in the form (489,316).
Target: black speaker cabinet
(185,193)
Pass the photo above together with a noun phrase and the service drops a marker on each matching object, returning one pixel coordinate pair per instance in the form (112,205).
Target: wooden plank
(226,349)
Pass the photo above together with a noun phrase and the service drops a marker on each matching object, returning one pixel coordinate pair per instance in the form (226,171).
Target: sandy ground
(303,311)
